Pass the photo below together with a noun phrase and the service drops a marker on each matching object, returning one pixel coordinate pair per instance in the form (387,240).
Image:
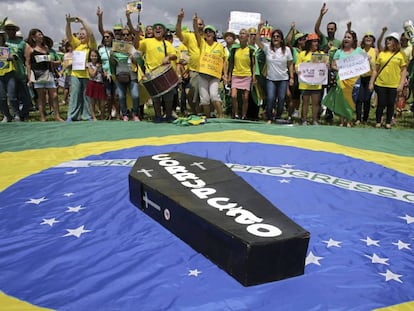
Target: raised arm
(318,22)
(196,33)
(258,41)
(99,13)
(291,33)
(178,26)
(68,28)
(130,25)
(381,37)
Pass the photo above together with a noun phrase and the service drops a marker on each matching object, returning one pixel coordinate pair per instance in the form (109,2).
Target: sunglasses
(276,36)
(125,34)
(107,37)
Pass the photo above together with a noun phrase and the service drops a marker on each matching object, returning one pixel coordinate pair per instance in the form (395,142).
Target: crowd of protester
(248,75)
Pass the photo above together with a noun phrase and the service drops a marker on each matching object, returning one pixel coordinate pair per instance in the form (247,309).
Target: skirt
(95,90)
(241,83)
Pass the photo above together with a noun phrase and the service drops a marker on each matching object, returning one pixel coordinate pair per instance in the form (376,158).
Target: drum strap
(165,47)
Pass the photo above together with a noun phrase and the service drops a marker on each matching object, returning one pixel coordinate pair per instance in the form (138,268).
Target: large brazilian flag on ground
(70,239)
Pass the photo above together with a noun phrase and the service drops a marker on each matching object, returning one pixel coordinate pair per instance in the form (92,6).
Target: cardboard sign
(353,66)
(313,73)
(134,6)
(211,64)
(239,20)
(122,46)
(4,53)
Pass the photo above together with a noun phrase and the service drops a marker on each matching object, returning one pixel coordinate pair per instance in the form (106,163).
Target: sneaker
(305,123)
(125,118)
(136,119)
(295,113)
(315,123)
(113,113)
(17,119)
(6,119)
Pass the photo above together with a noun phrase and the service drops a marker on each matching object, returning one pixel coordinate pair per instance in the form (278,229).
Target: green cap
(210,28)
(159,24)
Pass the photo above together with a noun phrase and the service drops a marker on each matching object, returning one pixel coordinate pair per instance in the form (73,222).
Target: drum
(160,81)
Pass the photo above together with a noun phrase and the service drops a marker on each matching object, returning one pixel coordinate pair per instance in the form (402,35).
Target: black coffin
(219,215)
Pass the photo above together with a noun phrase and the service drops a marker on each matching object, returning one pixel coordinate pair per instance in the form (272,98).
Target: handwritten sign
(211,64)
(4,53)
(266,31)
(122,46)
(134,6)
(239,20)
(353,66)
(78,60)
(313,73)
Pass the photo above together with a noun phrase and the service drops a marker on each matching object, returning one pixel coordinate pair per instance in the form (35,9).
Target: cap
(252,30)
(185,29)
(369,34)
(312,36)
(117,27)
(394,35)
(229,33)
(299,35)
(10,24)
(19,34)
(210,28)
(159,24)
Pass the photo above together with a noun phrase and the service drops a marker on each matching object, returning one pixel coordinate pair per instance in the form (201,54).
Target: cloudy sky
(366,15)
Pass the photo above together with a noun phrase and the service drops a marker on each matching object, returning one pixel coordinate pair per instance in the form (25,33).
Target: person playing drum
(157,52)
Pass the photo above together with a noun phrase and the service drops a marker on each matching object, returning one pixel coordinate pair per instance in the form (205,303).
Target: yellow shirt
(390,76)
(306,58)
(242,66)
(153,51)
(190,41)
(85,48)
(372,55)
(212,59)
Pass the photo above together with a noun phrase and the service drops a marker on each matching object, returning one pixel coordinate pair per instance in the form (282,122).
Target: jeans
(121,89)
(275,89)
(363,103)
(79,108)
(8,88)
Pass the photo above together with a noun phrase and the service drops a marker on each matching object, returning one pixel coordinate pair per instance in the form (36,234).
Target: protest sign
(313,73)
(352,66)
(239,20)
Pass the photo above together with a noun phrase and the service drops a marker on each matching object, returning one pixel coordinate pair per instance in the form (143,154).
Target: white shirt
(277,67)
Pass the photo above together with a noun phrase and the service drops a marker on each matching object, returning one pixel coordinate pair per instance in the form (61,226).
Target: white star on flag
(68,194)
(402,245)
(408,218)
(284,181)
(74,209)
(287,165)
(391,276)
(49,221)
(36,201)
(75,171)
(376,259)
(311,258)
(194,272)
(371,242)
(331,243)
(76,232)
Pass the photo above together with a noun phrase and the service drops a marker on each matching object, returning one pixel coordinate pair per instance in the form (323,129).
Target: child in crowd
(95,89)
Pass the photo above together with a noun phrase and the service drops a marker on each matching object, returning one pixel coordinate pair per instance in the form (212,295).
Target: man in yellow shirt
(190,41)
(156,52)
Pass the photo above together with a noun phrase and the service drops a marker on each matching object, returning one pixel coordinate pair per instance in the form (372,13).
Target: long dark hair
(308,45)
(30,38)
(354,39)
(282,40)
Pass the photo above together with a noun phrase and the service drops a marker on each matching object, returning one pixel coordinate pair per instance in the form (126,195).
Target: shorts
(51,84)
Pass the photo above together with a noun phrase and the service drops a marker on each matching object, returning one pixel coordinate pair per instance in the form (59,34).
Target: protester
(388,78)
(279,72)
(79,106)
(7,84)
(95,88)
(40,72)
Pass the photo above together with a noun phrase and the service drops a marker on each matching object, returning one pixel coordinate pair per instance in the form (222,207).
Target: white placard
(78,60)
(239,20)
(313,73)
(353,66)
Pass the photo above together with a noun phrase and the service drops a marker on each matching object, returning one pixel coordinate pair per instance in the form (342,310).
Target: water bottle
(409,30)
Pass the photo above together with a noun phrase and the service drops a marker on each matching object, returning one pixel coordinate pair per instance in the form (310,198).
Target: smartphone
(73,19)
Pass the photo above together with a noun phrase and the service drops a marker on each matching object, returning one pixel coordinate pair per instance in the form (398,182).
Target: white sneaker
(113,113)
(295,113)
(5,120)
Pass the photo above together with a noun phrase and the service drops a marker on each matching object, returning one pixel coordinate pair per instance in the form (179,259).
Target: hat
(394,35)
(252,30)
(210,28)
(312,36)
(19,34)
(185,29)
(299,35)
(229,33)
(2,32)
(159,24)
(10,24)
(117,27)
